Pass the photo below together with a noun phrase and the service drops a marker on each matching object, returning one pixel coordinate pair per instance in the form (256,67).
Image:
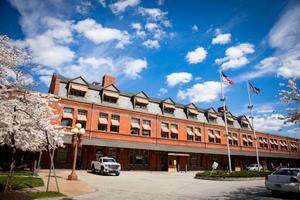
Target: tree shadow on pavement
(256,193)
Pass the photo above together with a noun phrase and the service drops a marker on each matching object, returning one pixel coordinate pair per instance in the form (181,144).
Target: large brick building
(154,134)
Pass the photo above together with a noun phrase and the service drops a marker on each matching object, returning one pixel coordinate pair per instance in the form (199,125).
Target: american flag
(254,89)
(227,79)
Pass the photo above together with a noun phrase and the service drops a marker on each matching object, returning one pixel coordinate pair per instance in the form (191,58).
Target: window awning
(271,142)
(135,125)
(285,144)
(146,127)
(250,140)
(164,129)
(174,130)
(141,101)
(212,115)
(260,141)
(217,136)
(230,119)
(211,135)
(193,111)
(275,142)
(111,94)
(81,117)
(265,141)
(235,138)
(281,143)
(229,137)
(245,139)
(78,87)
(245,122)
(189,132)
(103,120)
(170,106)
(197,133)
(115,122)
(68,115)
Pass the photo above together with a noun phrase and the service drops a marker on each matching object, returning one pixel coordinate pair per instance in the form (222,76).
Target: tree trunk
(8,186)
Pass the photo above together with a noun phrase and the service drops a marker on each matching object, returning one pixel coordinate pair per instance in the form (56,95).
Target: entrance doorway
(177,162)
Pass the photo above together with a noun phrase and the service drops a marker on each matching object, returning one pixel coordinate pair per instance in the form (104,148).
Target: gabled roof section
(169,100)
(211,109)
(79,80)
(112,88)
(192,106)
(242,117)
(142,95)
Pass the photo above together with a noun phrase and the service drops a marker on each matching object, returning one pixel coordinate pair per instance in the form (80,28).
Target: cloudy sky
(167,48)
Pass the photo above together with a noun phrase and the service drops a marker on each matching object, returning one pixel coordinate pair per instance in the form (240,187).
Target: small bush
(234,174)
(37,195)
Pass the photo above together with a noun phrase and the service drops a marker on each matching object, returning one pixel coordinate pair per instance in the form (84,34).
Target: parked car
(106,165)
(284,180)
(254,167)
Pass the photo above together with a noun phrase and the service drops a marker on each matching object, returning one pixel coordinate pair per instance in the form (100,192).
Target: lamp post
(77,133)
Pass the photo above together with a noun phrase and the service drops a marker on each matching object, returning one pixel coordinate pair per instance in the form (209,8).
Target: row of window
(143,127)
(141,104)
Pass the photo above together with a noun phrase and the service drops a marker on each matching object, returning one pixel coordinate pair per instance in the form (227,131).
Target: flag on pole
(254,89)
(227,79)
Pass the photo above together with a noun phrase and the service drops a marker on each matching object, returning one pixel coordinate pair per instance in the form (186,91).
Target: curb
(229,178)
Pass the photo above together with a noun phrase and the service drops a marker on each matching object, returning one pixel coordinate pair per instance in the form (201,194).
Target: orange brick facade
(158,153)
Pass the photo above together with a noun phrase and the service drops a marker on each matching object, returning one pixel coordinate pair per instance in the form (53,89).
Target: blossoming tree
(28,119)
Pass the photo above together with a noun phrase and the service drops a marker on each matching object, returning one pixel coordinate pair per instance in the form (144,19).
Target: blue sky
(167,48)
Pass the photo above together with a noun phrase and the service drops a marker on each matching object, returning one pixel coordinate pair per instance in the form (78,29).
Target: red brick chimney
(54,85)
(108,80)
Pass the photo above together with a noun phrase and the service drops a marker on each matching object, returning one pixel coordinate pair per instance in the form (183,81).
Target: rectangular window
(66,122)
(235,139)
(82,112)
(250,141)
(169,111)
(110,99)
(135,126)
(211,136)
(77,93)
(245,140)
(103,121)
(218,137)
(146,131)
(174,131)
(115,123)
(68,110)
(197,134)
(164,130)
(190,134)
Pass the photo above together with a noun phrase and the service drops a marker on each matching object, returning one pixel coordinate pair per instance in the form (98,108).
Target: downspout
(91,125)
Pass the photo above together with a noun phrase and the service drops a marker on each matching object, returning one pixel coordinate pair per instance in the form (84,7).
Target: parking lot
(162,185)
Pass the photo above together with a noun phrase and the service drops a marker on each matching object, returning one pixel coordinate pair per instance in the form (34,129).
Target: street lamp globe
(82,131)
(78,125)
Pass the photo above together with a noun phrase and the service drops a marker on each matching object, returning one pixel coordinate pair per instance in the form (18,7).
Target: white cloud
(196,56)
(138,30)
(201,92)
(152,44)
(133,68)
(102,3)
(222,39)
(267,122)
(177,78)
(99,34)
(151,26)
(156,15)
(195,27)
(162,91)
(294,130)
(160,2)
(83,7)
(45,51)
(290,68)
(121,5)
(236,56)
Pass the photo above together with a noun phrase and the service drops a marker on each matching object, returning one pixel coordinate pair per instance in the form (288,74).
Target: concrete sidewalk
(69,188)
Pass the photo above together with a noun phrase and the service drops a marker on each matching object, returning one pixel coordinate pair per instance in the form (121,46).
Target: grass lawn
(37,195)
(22,182)
(17,173)
(234,174)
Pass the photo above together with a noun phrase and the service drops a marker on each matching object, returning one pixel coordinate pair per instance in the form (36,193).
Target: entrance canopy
(179,154)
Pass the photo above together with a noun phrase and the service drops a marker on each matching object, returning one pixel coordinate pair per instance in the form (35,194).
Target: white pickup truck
(106,165)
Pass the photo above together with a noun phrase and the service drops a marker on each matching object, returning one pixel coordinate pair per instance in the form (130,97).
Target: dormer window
(169,108)
(192,113)
(78,90)
(212,117)
(230,121)
(141,103)
(110,97)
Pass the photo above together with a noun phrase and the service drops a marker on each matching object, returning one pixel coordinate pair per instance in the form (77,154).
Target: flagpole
(250,107)
(225,118)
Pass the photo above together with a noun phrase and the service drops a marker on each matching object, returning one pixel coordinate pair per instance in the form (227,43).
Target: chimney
(108,80)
